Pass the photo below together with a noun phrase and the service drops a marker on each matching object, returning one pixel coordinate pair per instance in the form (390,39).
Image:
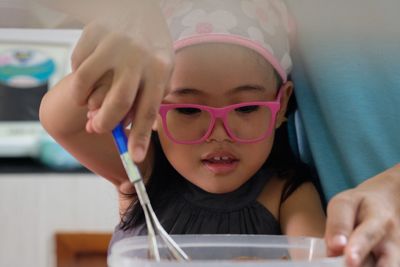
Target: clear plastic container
(228,250)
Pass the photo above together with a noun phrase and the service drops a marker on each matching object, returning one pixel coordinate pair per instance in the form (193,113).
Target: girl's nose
(219,133)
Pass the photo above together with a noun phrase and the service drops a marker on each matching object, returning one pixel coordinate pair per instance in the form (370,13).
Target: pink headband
(260,25)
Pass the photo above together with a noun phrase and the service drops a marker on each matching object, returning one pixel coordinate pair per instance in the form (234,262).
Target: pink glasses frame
(221,113)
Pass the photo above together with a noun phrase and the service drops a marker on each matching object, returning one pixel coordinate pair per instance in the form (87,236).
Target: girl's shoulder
(275,193)
(302,212)
(301,207)
(271,194)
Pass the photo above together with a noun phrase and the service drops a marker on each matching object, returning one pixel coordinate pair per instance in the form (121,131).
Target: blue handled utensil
(154,227)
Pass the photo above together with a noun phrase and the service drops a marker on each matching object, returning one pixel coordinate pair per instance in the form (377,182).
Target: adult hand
(122,64)
(366,220)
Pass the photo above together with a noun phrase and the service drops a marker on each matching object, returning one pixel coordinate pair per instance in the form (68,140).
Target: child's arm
(133,43)
(301,214)
(65,121)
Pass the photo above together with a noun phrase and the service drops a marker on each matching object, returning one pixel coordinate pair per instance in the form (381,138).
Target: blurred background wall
(37,202)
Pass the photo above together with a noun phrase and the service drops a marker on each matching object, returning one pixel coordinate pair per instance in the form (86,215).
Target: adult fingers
(367,235)
(389,256)
(378,234)
(341,216)
(86,44)
(146,109)
(97,97)
(99,94)
(91,70)
(118,102)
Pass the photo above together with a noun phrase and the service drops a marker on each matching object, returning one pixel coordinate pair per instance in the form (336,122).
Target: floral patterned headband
(261,25)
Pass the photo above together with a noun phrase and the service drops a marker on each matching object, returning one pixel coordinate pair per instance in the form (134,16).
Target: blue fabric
(347,83)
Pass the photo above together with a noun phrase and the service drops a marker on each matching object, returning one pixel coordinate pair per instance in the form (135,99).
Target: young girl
(216,163)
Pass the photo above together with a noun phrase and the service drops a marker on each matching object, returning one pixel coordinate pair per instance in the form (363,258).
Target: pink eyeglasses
(246,122)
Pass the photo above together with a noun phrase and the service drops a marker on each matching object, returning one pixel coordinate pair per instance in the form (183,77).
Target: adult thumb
(341,217)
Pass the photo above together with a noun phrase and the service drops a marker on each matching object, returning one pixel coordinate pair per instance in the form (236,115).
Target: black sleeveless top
(187,209)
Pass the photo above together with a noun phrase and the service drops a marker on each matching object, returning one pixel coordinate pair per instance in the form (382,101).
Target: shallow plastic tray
(229,250)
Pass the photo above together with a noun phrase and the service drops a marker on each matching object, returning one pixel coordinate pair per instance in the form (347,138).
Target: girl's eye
(247,109)
(188,111)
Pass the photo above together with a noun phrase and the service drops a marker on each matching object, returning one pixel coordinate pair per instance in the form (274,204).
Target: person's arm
(301,214)
(131,40)
(366,220)
(88,10)
(65,121)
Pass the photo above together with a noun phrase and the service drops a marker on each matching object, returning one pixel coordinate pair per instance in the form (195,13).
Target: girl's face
(218,75)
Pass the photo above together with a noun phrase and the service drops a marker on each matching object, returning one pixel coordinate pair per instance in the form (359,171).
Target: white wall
(33,207)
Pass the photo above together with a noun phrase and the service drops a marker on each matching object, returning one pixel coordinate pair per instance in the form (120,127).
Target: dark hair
(286,164)
(282,161)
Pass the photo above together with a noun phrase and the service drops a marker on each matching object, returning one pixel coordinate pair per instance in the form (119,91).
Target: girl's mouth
(220,164)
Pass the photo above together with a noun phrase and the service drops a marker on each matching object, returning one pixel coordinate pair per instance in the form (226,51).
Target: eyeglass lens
(188,124)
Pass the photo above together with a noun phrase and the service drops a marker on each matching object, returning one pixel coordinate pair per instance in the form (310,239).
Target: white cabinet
(33,207)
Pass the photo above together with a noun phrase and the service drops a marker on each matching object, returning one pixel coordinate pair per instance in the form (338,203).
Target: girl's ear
(287,90)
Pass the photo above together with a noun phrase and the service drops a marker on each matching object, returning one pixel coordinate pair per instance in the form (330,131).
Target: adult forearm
(89,10)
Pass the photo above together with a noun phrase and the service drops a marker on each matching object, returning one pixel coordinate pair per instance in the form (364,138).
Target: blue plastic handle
(120,138)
